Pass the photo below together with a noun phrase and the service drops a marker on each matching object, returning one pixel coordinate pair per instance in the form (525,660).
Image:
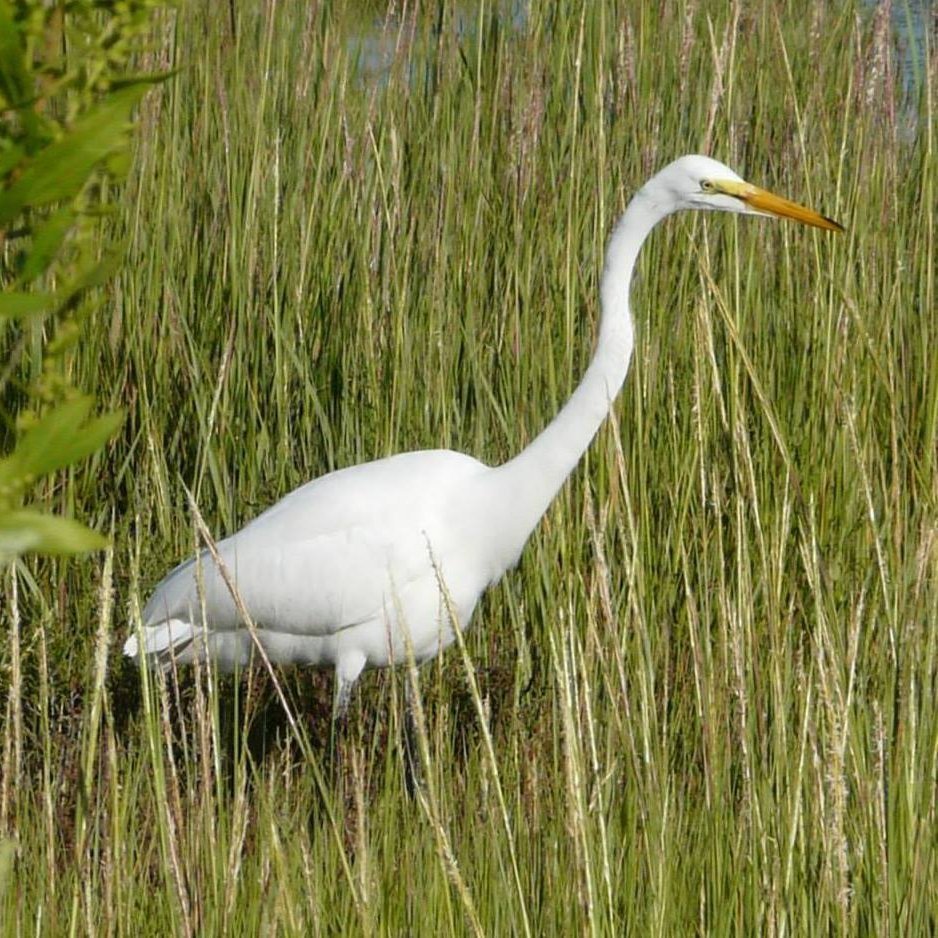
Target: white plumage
(345,569)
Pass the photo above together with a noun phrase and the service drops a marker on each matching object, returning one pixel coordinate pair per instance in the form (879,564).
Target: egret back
(333,554)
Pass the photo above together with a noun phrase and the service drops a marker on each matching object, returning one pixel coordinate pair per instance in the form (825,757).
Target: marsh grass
(706,700)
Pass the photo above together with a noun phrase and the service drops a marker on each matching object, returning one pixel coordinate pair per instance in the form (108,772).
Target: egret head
(698,182)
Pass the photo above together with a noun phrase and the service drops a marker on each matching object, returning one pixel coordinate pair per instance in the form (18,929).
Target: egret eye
(707,186)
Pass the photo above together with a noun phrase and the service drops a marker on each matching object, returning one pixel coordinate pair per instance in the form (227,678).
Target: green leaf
(47,240)
(26,530)
(96,274)
(150,78)
(118,164)
(60,437)
(15,83)
(11,156)
(16,305)
(66,337)
(61,169)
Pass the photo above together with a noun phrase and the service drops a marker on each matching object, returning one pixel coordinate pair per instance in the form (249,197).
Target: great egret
(357,565)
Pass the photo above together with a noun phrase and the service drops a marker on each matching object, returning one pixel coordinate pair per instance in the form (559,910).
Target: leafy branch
(67,94)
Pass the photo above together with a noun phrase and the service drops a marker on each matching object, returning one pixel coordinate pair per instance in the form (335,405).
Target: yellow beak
(771,204)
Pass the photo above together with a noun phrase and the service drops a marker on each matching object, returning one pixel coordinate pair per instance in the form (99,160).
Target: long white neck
(525,486)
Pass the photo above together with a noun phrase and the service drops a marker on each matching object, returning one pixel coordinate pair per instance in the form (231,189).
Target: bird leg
(343,694)
(347,669)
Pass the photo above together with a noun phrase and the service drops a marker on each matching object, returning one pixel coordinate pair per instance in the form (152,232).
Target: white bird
(352,568)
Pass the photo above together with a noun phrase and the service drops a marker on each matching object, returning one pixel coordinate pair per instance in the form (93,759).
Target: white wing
(324,557)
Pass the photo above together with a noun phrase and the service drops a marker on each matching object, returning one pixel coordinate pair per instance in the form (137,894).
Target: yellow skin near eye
(769,203)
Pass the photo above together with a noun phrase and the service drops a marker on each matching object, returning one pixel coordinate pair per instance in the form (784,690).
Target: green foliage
(61,170)
(24,530)
(66,97)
